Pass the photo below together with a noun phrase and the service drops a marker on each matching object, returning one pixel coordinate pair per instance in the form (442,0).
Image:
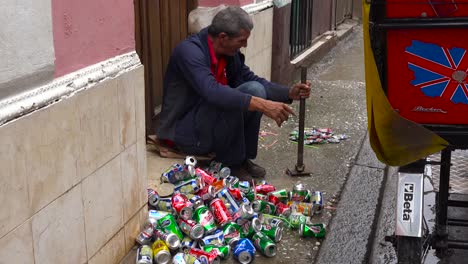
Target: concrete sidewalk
(348,173)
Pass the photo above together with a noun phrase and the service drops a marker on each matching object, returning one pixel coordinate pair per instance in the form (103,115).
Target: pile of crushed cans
(212,215)
(317,136)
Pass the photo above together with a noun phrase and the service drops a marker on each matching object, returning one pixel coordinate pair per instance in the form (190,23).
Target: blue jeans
(231,135)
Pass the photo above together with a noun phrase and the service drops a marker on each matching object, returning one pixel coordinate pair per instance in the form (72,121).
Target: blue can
(188,243)
(231,204)
(164,204)
(244,252)
(190,186)
(173,173)
(217,238)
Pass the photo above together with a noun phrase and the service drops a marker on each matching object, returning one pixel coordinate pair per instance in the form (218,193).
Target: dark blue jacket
(188,80)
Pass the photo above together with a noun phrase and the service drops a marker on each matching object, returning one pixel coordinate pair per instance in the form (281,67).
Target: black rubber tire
(409,250)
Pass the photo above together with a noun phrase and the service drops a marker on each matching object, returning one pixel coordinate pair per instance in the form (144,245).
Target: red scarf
(218,66)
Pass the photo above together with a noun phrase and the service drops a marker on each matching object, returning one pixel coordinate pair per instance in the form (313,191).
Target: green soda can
(232,233)
(223,251)
(169,225)
(296,219)
(274,220)
(315,230)
(250,195)
(264,244)
(280,194)
(244,186)
(273,232)
(204,217)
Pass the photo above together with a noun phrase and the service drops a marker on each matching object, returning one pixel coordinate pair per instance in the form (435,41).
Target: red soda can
(282,210)
(182,206)
(207,193)
(205,176)
(273,199)
(265,188)
(220,212)
(236,193)
(153,197)
(205,257)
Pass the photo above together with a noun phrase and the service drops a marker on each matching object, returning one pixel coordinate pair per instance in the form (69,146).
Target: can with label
(164,204)
(296,219)
(273,221)
(172,240)
(207,193)
(315,230)
(189,186)
(146,235)
(179,258)
(282,210)
(317,201)
(204,217)
(249,228)
(173,174)
(264,244)
(299,193)
(196,200)
(303,208)
(191,228)
(244,251)
(245,212)
(222,251)
(156,215)
(280,194)
(207,178)
(182,205)
(161,254)
(220,212)
(153,197)
(188,243)
(227,198)
(217,238)
(264,207)
(244,186)
(169,225)
(265,188)
(273,232)
(205,257)
(231,182)
(232,233)
(144,255)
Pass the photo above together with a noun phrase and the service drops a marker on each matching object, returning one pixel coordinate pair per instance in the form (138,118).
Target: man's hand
(299,90)
(277,111)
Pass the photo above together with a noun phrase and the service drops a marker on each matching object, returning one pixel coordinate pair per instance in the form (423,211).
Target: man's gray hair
(230,21)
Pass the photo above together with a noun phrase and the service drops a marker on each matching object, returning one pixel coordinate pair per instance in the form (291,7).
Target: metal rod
(443,190)
(300,143)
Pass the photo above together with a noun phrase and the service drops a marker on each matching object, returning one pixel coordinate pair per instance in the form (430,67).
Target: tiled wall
(259,46)
(73,177)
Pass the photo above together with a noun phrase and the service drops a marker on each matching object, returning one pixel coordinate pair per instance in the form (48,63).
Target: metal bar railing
(300,37)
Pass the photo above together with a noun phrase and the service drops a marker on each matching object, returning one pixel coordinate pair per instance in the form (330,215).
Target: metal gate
(159,26)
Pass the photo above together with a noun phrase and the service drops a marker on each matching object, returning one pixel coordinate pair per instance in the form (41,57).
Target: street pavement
(348,174)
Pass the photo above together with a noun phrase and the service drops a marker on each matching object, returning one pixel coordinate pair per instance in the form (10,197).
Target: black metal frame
(300,36)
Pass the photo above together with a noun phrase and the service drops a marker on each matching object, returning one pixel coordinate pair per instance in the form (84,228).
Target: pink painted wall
(89,31)
(210,3)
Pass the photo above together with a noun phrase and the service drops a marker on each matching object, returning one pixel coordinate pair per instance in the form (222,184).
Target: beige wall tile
(143,215)
(100,126)
(112,252)
(103,205)
(15,207)
(58,230)
(132,229)
(16,247)
(126,93)
(142,171)
(130,182)
(52,152)
(139,85)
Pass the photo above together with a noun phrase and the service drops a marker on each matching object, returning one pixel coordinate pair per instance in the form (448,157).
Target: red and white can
(205,176)
(220,212)
(182,205)
(207,193)
(236,193)
(205,257)
(273,199)
(283,210)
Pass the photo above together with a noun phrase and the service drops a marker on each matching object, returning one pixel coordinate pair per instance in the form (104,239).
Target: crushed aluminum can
(188,243)
(190,161)
(189,186)
(217,238)
(144,255)
(244,251)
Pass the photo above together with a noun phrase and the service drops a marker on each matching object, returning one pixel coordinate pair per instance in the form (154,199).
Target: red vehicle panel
(426,8)
(427,74)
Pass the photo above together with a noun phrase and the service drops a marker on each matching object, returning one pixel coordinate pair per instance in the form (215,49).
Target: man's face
(230,45)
